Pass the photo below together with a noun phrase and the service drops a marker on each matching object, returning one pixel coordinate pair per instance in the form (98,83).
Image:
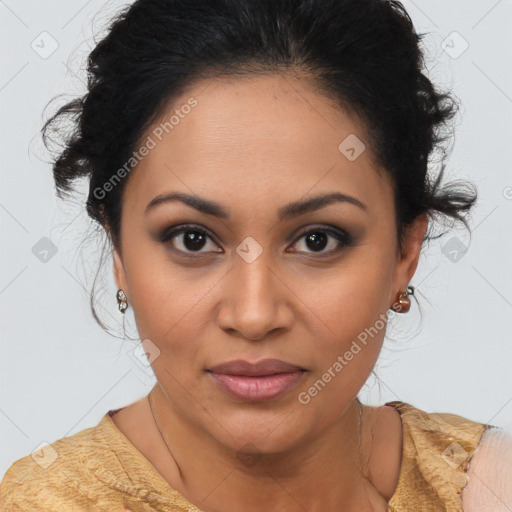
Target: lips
(264,367)
(256,382)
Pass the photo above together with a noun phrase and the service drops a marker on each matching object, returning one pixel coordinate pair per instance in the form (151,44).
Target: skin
(254,145)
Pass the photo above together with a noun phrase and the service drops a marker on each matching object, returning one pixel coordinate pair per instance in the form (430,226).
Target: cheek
(161,292)
(350,306)
(345,352)
(170,308)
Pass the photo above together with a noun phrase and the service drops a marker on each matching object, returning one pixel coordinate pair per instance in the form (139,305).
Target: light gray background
(60,372)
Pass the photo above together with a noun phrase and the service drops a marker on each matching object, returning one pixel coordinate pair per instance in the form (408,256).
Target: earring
(403,303)
(122,301)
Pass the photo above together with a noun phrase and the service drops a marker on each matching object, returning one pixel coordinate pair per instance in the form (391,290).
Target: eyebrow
(286,212)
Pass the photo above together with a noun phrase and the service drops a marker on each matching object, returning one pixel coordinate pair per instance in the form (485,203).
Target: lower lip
(257,389)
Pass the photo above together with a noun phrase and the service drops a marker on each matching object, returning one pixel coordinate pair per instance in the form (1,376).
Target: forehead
(263,136)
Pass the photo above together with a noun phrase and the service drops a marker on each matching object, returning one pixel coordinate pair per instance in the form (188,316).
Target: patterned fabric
(99,469)
(436,452)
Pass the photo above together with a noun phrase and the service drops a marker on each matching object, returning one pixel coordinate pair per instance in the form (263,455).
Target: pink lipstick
(256,382)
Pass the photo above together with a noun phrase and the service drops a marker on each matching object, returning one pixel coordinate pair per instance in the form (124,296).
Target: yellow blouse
(99,469)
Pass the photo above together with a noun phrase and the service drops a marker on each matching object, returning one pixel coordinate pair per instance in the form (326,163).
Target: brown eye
(193,240)
(189,239)
(317,240)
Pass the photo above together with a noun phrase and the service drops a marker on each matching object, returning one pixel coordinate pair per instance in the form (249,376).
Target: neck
(314,474)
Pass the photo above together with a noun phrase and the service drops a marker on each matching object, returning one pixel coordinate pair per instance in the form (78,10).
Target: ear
(408,259)
(118,267)
(119,272)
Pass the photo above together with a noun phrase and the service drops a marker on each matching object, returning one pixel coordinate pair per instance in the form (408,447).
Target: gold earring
(122,301)
(403,303)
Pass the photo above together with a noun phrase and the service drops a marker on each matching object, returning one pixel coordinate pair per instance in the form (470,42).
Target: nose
(255,301)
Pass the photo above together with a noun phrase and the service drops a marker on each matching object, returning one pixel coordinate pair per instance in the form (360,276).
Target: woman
(260,167)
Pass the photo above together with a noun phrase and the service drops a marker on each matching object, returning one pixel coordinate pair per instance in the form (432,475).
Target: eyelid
(172,231)
(300,232)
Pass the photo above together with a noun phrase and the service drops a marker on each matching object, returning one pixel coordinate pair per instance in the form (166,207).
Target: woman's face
(310,285)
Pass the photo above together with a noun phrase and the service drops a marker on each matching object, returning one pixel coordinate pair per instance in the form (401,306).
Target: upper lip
(263,367)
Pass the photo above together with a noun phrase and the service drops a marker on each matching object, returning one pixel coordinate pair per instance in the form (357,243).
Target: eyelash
(344,239)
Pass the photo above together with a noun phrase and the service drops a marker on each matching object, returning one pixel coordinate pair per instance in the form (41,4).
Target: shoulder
(437,450)
(57,475)
(434,430)
(489,487)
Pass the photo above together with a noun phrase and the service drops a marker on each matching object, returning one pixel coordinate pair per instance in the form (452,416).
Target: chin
(262,436)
